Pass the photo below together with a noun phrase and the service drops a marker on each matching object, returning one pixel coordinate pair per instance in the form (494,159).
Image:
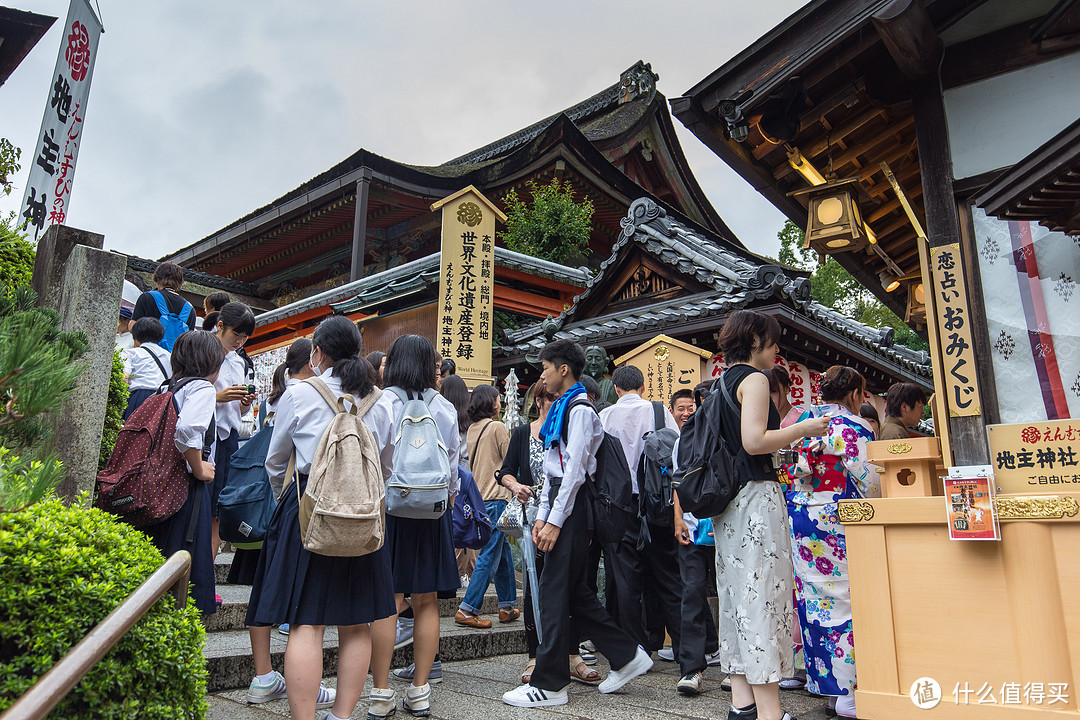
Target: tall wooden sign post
(467,283)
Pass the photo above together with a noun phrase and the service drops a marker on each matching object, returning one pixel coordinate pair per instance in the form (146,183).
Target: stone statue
(596,365)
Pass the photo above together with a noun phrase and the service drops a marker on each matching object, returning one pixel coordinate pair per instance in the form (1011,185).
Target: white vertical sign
(52,164)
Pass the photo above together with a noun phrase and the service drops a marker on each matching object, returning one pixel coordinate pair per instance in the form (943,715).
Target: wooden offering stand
(912,467)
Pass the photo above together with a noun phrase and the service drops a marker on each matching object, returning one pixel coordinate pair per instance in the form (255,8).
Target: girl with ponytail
(306,590)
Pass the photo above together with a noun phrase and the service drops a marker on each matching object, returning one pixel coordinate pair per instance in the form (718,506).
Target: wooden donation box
(912,467)
(988,629)
(668,365)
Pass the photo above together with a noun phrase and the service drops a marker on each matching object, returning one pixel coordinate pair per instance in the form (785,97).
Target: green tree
(9,164)
(833,286)
(553,226)
(16,255)
(114,409)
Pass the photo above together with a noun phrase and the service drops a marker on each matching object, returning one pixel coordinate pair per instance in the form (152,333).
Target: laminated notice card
(969,498)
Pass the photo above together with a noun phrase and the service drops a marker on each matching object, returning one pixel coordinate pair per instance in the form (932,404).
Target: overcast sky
(202,111)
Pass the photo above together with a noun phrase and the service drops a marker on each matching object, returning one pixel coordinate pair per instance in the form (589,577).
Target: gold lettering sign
(467,283)
(668,365)
(954,332)
(1036,457)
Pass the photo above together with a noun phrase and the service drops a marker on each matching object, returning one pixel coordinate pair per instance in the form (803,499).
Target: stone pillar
(82,282)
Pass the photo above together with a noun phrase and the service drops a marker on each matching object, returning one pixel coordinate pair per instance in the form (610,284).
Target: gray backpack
(419,485)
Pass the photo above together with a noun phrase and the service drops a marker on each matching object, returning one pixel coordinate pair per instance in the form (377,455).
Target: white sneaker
(527,696)
(273,689)
(712,658)
(404,632)
(383,704)
(326,697)
(417,700)
(640,665)
(666,654)
(690,684)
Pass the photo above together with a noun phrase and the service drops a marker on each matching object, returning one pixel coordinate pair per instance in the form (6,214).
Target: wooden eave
(20,31)
(1044,187)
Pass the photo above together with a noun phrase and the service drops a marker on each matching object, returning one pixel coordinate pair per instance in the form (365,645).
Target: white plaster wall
(994,123)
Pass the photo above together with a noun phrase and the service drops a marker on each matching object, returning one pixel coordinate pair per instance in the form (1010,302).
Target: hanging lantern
(834,223)
(916,305)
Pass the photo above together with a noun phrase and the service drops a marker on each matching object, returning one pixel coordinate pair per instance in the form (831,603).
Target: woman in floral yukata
(830,468)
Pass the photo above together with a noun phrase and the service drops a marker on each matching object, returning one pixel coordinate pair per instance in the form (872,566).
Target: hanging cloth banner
(56,148)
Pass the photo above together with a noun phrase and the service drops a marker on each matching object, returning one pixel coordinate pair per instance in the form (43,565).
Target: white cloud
(202,111)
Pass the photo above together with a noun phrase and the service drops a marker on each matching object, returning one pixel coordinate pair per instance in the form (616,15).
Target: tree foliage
(16,255)
(9,164)
(552,227)
(833,286)
(114,409)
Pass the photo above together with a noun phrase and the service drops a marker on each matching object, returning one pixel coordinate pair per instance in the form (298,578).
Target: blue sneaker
(283,628)
(408,673)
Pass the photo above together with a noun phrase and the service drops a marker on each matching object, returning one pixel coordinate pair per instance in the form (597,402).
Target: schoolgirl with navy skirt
(235,324)
(196,354)
(147,364)
(421,551)
(307,590)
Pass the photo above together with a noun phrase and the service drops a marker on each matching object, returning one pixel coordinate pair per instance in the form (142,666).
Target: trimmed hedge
(62,570)
(114,410)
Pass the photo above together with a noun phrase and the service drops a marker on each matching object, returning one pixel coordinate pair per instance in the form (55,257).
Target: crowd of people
(775,558)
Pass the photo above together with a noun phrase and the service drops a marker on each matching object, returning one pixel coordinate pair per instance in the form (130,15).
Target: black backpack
(610,492)
(655,494)
(707,479)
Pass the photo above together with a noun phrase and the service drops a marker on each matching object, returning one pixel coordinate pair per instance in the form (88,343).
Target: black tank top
(757,467)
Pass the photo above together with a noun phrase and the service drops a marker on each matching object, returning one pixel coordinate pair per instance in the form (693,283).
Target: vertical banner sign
(954,331)
(56,148)
(467,283)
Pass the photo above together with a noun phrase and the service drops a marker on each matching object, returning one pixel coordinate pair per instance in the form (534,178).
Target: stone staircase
(228,649)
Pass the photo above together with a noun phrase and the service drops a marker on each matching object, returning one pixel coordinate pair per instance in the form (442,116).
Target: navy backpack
(472,526)
(247,500)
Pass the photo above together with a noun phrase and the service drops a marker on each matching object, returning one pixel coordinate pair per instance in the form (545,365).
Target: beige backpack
(341,510)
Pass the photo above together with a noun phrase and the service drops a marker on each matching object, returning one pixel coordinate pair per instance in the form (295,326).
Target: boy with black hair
(903,409)
(634,562)
(562,532)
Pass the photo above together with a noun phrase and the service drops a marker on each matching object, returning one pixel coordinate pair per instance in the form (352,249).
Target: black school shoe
(747,713)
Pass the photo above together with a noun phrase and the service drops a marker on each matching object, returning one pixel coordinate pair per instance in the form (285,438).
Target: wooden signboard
(1036,457)
(668,365)
(467,283)
(954,332)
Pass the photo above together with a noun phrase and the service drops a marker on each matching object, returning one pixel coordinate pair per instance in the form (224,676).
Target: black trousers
(565,592)
(656,567)
(698,636)
(531,641)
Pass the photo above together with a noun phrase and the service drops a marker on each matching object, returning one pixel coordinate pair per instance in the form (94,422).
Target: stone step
(229,664)
(233,610)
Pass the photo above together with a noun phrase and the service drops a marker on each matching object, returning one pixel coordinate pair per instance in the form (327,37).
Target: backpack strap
(399,392)
(159,300)
(158,362)
(185,313)
(367,402)
(429,395)
(337,404)
(658,415)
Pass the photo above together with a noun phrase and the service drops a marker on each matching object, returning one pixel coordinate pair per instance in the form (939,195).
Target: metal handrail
(51,687)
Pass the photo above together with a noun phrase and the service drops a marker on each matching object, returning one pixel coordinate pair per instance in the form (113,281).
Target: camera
(787,456)
(251,389)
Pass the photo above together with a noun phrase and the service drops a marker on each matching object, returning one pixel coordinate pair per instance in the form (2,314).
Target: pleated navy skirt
(170,536)
(222,465)
(244,566)
(422,555)
(292,585)
(135,399)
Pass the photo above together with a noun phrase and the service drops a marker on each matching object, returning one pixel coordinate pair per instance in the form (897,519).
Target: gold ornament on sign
(661,352)
(900,448)
(855,511)
(469,213)
(1036,508)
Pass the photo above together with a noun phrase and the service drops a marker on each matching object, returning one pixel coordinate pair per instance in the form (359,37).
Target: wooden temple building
(971,105)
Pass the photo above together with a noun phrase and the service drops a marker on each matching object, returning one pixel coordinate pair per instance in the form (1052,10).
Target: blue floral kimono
(830,468)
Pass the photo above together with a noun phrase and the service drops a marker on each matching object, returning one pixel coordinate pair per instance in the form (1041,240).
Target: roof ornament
(637,81)
(645,210)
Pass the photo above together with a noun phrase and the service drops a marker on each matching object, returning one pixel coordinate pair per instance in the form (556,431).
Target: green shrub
(62,570)
(552,226)
(24,482)
(16,256)
(114,409)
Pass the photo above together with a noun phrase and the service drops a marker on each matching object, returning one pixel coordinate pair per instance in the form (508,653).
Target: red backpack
(146,479)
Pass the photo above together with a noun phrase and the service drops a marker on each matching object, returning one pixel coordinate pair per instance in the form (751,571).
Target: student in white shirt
(422,551)
(656,564)
(307,590)
(234,394)
(562,532)
(195,355)
(147,365)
